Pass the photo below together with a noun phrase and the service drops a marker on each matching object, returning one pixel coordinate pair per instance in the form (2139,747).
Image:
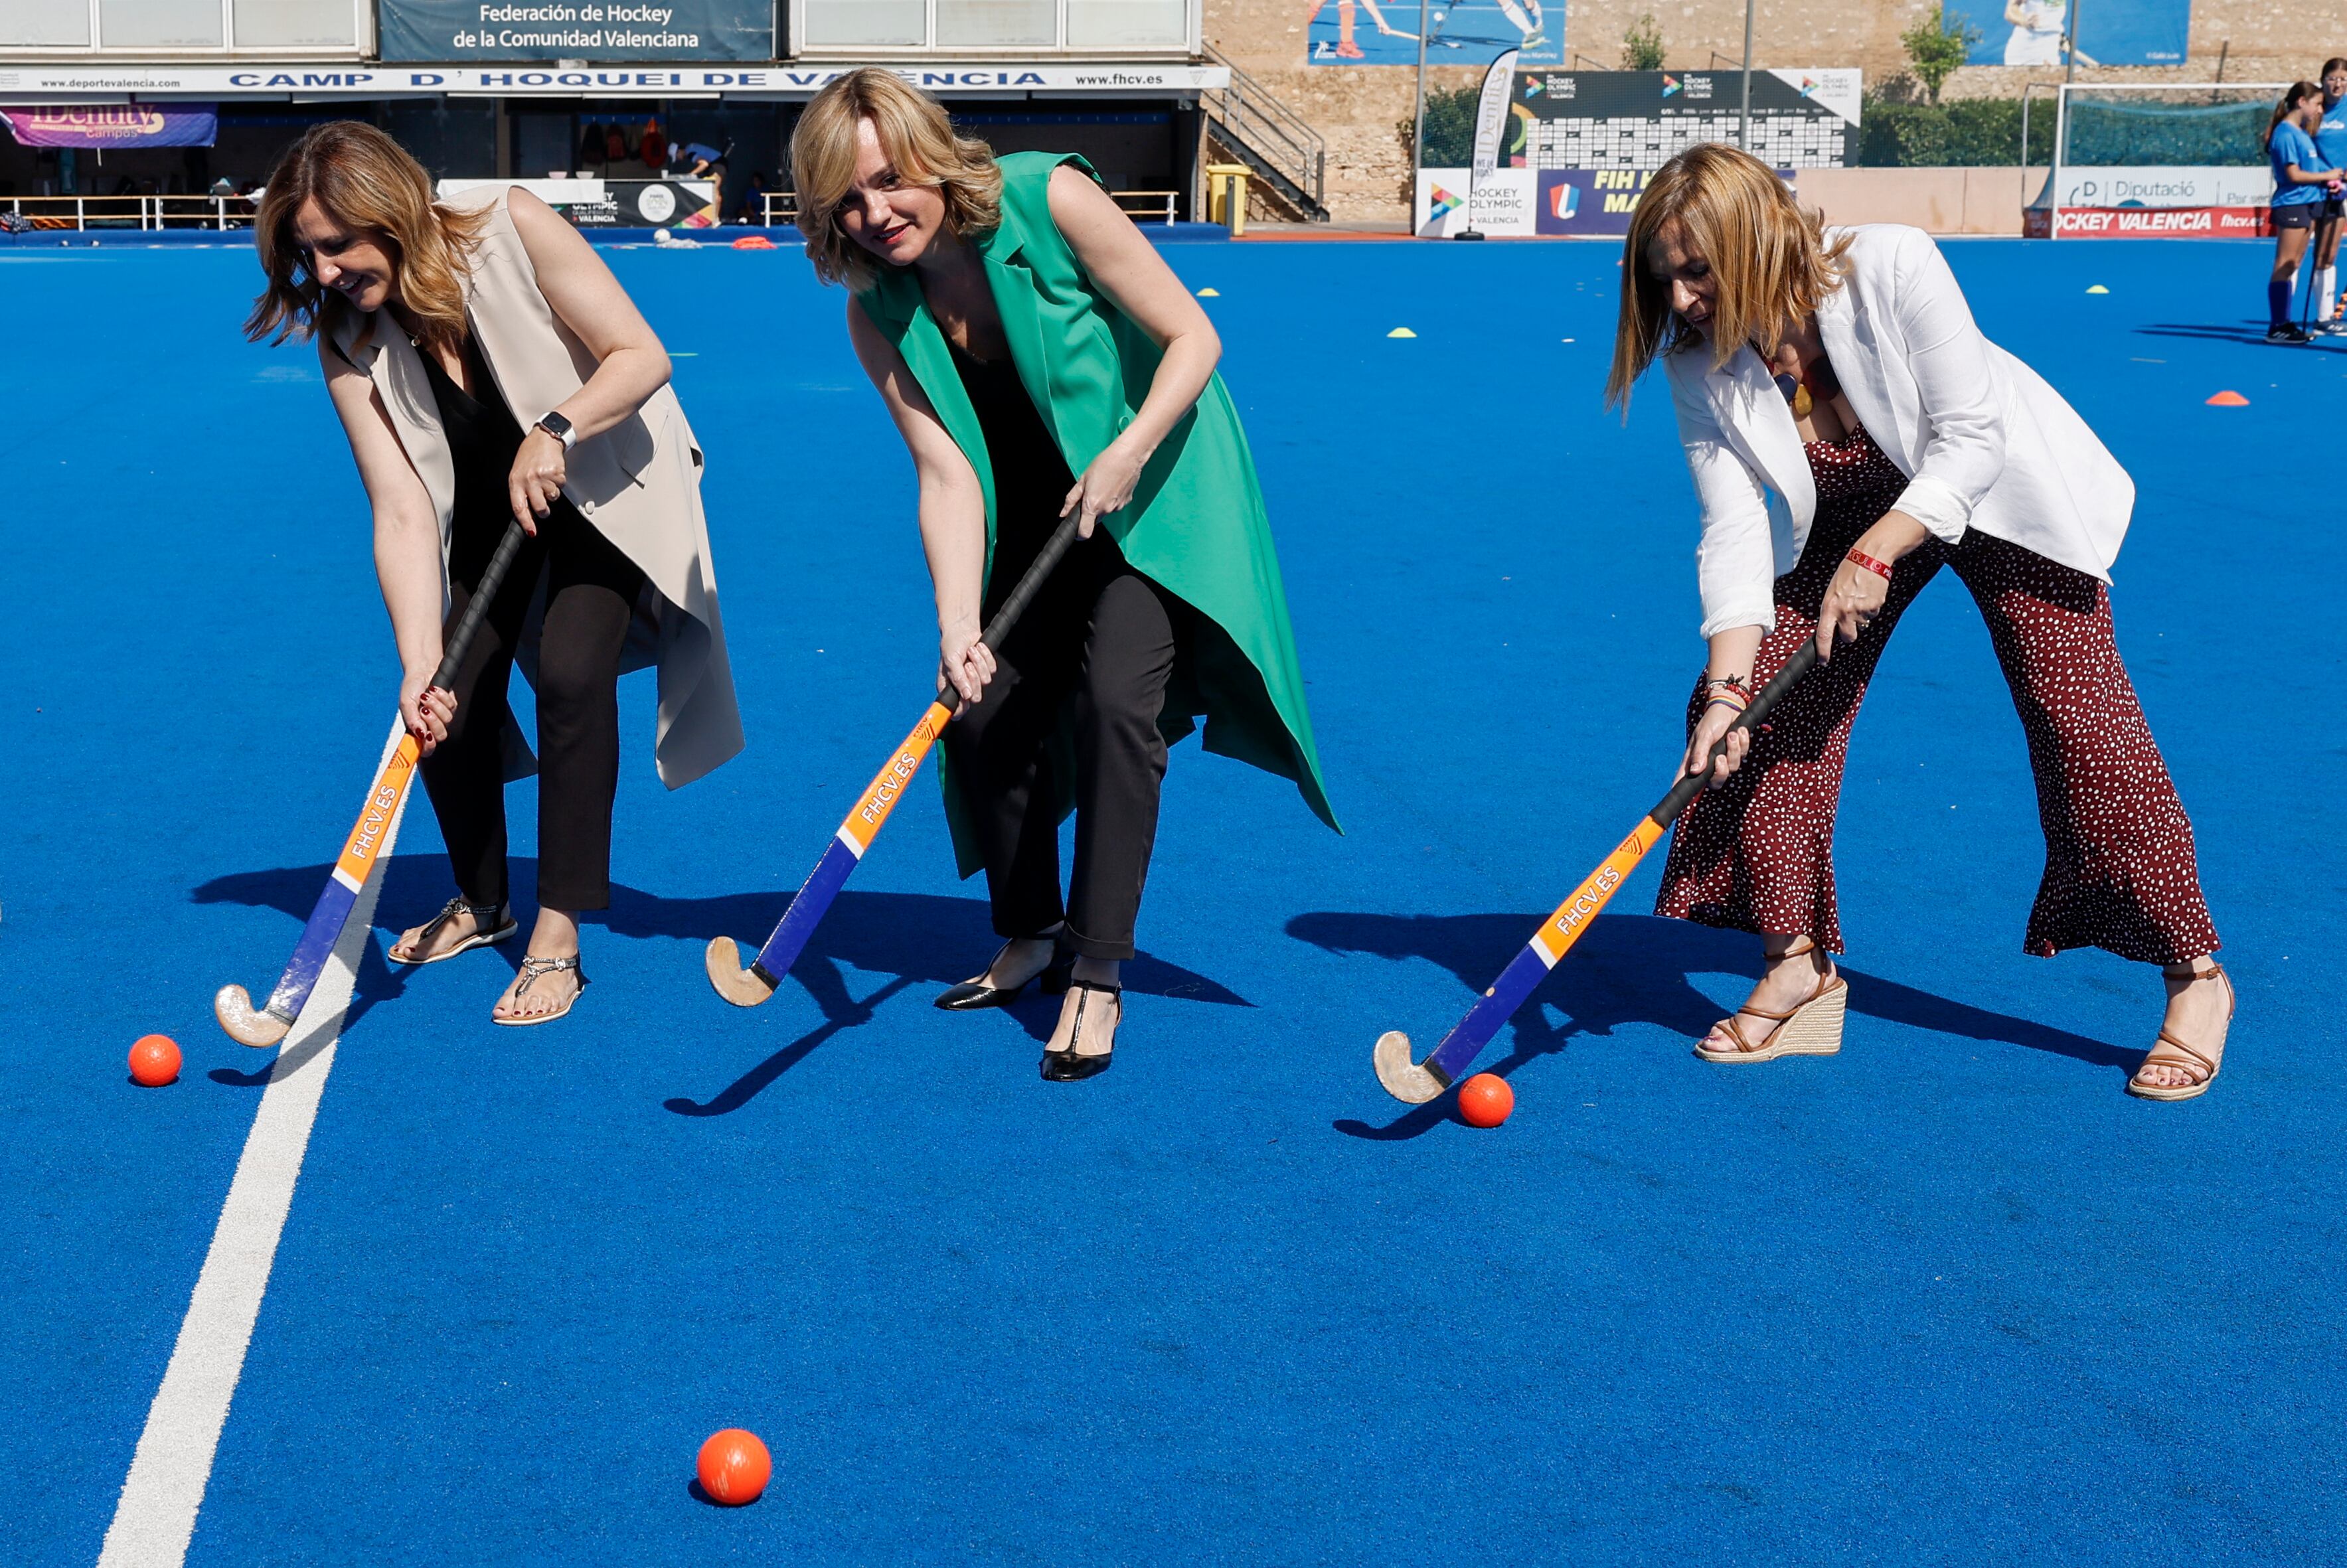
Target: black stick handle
(1021,597)
(1692,784)
(460,640)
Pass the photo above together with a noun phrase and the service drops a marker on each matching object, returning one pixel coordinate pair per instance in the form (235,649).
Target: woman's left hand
(1852,600)
(536,482)
(1106,486)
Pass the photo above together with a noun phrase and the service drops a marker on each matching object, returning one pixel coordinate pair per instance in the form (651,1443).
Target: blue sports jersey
(2330,141)
(2290,145)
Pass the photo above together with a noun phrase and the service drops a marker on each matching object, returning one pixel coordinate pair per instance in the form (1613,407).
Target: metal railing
(1147,206)
(780,208)
(142,212)
(1262,128)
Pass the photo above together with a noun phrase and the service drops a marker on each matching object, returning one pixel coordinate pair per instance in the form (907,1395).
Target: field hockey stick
(1419,1082)
(233,1005)
(748,987)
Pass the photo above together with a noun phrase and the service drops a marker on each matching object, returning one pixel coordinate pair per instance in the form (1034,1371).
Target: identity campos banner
(461,30)
(103,126)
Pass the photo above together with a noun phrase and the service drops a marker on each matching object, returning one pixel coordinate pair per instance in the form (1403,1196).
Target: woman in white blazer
(488,369)
(1850,432)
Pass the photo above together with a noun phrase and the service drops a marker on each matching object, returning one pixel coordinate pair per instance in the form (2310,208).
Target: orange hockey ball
(155,1059)
(1485,1100)
(734,1467)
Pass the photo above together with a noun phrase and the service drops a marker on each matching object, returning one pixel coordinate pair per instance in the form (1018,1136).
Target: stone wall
(1356,108)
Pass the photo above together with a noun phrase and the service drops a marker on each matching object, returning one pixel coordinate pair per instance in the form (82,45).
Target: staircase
(1289,158)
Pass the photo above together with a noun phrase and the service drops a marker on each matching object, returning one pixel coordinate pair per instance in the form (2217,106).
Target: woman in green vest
(1041,362)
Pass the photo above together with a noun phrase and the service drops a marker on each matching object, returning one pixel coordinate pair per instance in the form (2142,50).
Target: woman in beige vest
(488,369)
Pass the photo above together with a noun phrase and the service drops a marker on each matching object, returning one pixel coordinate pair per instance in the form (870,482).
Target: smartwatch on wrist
(554,425)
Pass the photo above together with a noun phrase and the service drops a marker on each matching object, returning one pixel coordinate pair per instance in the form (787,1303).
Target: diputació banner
(455,31)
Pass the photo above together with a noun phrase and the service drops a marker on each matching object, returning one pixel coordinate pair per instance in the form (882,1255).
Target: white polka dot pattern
(1757,854)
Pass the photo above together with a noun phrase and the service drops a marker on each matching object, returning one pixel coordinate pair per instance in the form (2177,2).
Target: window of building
(160,25)
(172,24)
(970,25)
(44,24)
(1128,24)
(998,24)
(865,24)
(295,24)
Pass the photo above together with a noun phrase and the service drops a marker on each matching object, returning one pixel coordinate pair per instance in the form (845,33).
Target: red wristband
(1861,558)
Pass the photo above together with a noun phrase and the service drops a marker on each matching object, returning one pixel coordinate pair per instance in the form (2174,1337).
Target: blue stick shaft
(808,909)
(310,953)
(1495,1006)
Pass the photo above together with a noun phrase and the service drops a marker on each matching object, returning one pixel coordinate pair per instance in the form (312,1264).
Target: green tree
(1936,45)
(1450,127)
(1641,46)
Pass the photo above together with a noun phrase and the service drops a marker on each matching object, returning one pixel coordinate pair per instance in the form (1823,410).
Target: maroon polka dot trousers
(1757,854)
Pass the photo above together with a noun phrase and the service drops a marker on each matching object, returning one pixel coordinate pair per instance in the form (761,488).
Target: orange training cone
(2228,400)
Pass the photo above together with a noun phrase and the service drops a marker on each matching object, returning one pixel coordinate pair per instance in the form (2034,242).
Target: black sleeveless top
(483,438)
(1032,481)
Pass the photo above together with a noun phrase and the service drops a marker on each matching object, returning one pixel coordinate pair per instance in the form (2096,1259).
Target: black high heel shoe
(971,995)
(1073,1066)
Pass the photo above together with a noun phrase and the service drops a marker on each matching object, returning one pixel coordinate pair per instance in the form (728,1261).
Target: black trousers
(1103,638)
(590,596)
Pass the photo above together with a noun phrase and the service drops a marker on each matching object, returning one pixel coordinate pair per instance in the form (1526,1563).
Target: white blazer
(1983,441)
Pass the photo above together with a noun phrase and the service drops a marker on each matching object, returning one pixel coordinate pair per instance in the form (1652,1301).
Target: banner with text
(103,126)
(1503,202)
(461,30)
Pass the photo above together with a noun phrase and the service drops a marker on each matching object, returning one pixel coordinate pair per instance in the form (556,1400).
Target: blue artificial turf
(1948,1298)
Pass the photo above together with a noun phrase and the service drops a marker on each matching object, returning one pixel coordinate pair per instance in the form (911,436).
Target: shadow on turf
(2245,333)
(919,939)
(1633,969)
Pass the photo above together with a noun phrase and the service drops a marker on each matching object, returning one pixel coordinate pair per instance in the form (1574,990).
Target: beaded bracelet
(1860,557)
(1739,684)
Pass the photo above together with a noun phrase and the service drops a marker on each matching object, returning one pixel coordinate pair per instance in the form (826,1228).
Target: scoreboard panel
(1639,120)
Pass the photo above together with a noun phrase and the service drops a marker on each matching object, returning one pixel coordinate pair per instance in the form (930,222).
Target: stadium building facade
(585,91)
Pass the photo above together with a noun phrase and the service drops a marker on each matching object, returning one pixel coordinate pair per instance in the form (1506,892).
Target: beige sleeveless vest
(638,483)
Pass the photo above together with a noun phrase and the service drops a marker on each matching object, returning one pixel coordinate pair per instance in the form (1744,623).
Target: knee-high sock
(2326,291)
(2277,295)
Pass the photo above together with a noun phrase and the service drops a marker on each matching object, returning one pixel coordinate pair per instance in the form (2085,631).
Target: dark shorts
(2333,209)
(2296,215)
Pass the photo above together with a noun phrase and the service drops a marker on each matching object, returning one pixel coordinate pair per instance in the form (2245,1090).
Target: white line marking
(155,1517)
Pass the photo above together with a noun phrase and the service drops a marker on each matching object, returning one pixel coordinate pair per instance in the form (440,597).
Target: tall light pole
(1744,127)
(1418,120)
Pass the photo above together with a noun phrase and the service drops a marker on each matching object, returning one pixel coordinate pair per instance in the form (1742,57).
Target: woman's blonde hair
(1770,257)
(922,148)
(363,178)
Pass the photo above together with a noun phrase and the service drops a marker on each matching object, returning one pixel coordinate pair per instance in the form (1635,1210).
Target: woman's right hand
(964,662)
(426,710)
(1714,723)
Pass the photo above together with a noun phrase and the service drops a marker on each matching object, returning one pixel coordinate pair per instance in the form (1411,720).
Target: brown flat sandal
(1812,1029)
(2170,1051)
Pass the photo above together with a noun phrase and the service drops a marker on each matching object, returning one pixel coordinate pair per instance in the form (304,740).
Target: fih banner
(115,125)
(2109,32)
(461,31)
(1491,113)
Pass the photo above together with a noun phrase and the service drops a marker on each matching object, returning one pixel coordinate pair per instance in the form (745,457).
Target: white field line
(156,1516)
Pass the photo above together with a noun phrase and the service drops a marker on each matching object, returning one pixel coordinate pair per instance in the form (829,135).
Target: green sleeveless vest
(1196,525)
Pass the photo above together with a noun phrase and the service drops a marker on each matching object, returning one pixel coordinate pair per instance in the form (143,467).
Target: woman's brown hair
(2298,93)
(363,178)
(922,148)
(1770,257)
